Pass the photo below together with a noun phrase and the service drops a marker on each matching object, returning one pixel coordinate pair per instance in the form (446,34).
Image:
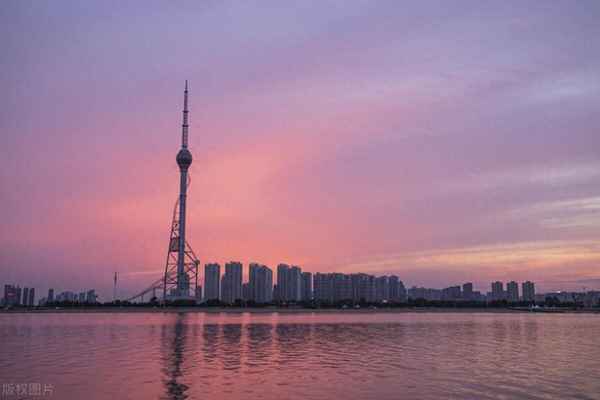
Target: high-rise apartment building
(416,293)
(267,277)
(199,294)
(294,285)
(306,286)
(451,293)
(337,287)
(397,289)
(283,271)
(231,288)
(497,291)
(260,285)
(12,295)
(363,287)
(467,291)
(212,277)
(90,296)
(528,290)
(382,289)
(66,296)
(342,287)
(289,283)
(323,287)
(246,291)
(25,296)
(512,291)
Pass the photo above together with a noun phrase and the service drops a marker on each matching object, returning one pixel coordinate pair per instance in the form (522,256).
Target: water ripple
(304,356)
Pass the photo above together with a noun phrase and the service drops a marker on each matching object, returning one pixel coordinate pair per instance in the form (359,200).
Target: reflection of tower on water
(173,359)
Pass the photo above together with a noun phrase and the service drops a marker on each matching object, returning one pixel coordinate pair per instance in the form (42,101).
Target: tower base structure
(171,292)
(177,288)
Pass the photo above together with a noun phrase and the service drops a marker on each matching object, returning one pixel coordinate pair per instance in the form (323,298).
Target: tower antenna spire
(184,126)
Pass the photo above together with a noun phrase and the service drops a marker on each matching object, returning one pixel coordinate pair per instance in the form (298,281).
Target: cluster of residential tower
(294,286)
(17,296)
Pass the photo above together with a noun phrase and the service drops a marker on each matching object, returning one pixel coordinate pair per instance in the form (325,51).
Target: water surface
(303,356)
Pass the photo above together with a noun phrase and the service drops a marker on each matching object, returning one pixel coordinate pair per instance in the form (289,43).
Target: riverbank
(284,310)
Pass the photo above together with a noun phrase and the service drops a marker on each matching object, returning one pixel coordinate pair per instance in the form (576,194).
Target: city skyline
(320,289)
(422,141)
(297,288)
(236,281)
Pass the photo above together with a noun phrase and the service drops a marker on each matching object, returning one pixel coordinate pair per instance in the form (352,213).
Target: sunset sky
(440,141)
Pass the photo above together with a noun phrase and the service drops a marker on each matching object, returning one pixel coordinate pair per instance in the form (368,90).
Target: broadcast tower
(180,281)
(184,160)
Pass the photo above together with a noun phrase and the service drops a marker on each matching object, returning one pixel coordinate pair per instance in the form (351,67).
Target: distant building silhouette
(467,291)
(289,283)
(429,294)
(528,290)
(452,293)
(260,285)
(382,289)
(65,296)
(11,295)
(397,289)
(512,291)
(497,291)
(294,284)
(90,296)
(15,296)
(357,288)
(246,291)
(31,297)
(212,277)
(281,288)
(306,286)
(323,287)
(231,287)
(198,294)
(25,296)
(363,287)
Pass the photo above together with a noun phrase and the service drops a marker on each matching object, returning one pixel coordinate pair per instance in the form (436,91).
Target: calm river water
(300,356)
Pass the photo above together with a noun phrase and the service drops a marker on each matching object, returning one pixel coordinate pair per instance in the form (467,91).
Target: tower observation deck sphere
(184,158)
